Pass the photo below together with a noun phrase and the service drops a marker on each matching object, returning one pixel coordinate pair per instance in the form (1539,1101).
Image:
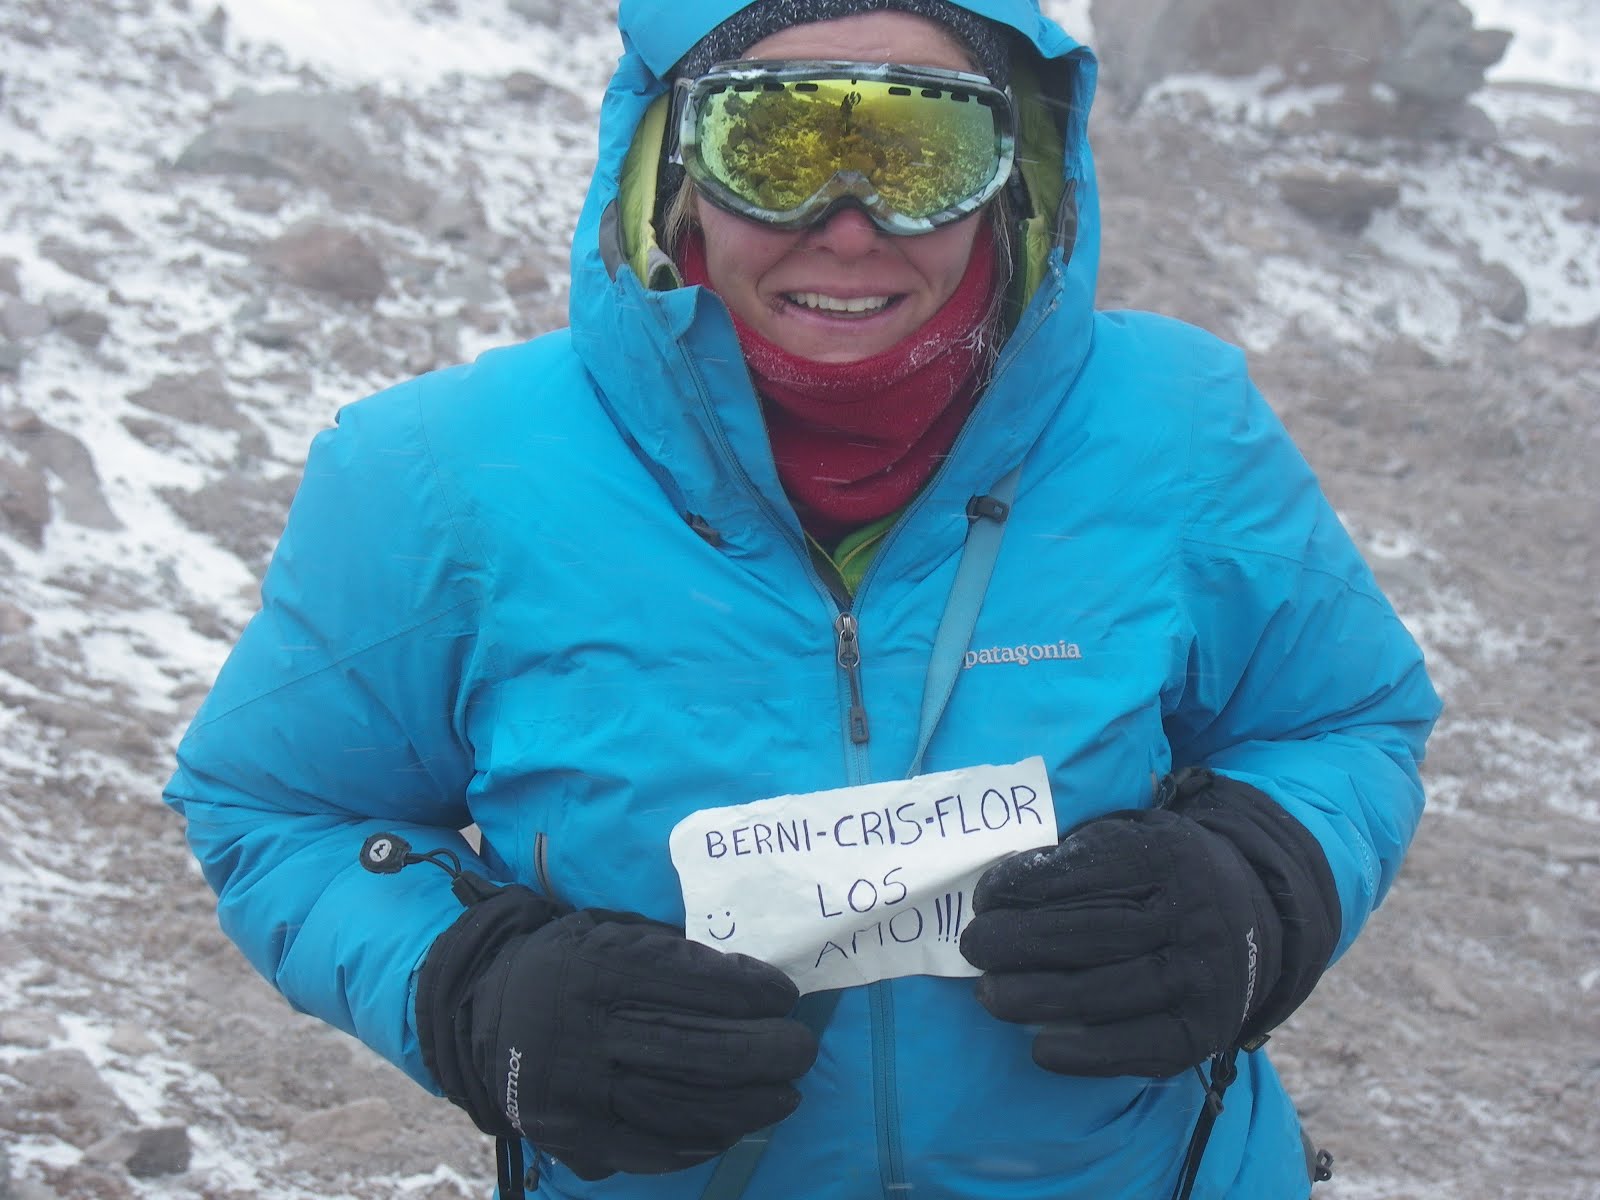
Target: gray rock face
(1426,50)
(1439,58)
(311,139)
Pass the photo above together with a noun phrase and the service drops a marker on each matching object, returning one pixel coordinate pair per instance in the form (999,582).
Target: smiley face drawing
(721,937)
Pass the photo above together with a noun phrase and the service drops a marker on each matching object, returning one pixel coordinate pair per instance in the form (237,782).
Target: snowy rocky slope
(219,224)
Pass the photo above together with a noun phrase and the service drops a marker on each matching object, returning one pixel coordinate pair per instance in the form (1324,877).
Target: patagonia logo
(1021,655)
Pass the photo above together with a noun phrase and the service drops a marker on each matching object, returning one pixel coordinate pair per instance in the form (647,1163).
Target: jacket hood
(666,359)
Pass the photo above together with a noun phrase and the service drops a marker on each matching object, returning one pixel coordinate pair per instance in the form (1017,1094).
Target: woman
(737,534)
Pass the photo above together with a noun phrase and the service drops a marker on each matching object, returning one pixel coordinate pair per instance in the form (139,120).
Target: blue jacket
(488,608)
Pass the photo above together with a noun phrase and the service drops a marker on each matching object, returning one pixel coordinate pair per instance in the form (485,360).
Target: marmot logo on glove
(1250,977)
(513,1078)
(1021,655)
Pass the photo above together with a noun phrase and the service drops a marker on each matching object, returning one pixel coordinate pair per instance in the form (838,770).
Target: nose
(848,233)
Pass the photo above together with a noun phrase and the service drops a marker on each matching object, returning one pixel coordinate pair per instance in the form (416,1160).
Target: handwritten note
(853,885)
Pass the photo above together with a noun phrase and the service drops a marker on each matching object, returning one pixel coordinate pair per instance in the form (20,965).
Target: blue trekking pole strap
(986,517)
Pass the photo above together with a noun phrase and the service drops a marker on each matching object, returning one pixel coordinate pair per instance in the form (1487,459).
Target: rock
(201,397)
(55,450)
(1345,201)
(146,1153)
(540,12)
(289,135)
(360,1125)
(243,513)
(525,86)
(83,326)
(10,279)
(1505,296)
(11,358)
(1313,41)
(455,218)
(1586,210)
(1423,49)
(215,30)
(279,333)
(66,1083)
(524,278)
(264,196)
(163,1151)
(13,620)
(75,260)
(357,355)
(21,321)
(1438,57)
(34,1030)
(308,138)
(131,1040)
(24,502)
(327,259)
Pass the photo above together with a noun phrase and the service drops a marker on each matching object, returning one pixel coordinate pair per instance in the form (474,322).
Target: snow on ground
(412,45)
(1556,41)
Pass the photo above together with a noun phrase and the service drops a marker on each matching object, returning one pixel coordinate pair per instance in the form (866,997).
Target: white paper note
(853,885)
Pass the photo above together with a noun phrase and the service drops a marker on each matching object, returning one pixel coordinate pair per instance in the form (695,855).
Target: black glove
(610,1041)
(1151,939)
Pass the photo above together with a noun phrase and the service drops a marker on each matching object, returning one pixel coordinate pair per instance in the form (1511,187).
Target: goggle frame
(844,188)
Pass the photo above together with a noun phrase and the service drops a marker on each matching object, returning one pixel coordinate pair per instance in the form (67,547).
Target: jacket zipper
(880,996)
(847,631)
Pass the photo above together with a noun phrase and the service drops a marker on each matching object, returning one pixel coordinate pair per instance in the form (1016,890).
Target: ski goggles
(787,143)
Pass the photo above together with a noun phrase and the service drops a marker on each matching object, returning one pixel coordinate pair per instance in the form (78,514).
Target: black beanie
(985,40)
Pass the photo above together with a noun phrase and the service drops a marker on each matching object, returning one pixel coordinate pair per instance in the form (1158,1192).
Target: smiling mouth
(838,306)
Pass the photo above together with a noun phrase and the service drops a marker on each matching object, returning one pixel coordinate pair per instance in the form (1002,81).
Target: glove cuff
(1289,861)
(454,963)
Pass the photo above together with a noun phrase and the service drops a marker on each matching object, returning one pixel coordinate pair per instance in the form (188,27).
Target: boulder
(1425,50)
(1438,57)
(84,326)
(1344,200)
(326,258)
(58,452)
(146,1153)
(24,502)
(312,139)
(197,397)
(1504,295)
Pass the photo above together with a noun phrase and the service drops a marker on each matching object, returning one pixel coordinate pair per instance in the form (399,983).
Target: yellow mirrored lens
(775,145)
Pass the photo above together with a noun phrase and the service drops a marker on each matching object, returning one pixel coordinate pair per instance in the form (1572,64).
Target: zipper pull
(849,654)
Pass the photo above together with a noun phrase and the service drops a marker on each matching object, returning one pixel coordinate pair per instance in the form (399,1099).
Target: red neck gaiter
(855,441)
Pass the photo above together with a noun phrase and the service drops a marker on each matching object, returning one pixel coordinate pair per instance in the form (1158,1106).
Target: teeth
(817,300)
